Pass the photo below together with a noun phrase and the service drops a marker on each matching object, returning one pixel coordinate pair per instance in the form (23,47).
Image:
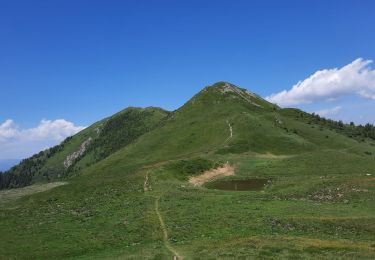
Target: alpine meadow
(228,175)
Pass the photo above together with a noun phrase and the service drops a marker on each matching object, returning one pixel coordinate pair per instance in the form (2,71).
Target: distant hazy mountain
(6,164)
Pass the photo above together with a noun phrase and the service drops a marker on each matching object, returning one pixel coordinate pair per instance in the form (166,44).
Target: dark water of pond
(240,185)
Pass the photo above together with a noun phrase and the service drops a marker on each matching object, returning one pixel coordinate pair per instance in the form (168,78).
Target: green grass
(319,203)
(182,169)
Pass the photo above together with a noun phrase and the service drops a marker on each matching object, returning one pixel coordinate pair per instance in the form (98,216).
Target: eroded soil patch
(225,170)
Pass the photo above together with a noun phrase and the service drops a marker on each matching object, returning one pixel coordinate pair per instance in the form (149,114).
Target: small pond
(240,185)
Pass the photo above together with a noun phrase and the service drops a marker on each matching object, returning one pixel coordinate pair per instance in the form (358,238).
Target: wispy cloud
(329,111)
(356,78)
(17,142)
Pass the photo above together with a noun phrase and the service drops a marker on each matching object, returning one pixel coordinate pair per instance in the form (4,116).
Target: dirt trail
(271,156)
(146,184)
(165,232)
(225,170)
(146,188)
(230,131)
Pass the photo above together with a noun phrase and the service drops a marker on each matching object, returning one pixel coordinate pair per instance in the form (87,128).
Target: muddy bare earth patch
(225,170)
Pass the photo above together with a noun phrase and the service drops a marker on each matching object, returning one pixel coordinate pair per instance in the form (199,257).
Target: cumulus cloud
(17,142)
(356,78)
(7,130)
(329,111)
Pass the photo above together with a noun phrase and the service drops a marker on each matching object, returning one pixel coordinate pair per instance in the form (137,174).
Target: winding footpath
(146,188)
(230,131)
(146,185)
(165,232)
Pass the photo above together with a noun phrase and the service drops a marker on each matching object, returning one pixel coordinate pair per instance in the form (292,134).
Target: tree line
(118,131)
(351,130)
(22,174)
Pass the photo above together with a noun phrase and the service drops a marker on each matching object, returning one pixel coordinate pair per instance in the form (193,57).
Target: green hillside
(127,195)
(85,148)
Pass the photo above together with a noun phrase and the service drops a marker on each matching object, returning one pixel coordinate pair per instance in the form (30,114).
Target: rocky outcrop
(246,95)
(71,158)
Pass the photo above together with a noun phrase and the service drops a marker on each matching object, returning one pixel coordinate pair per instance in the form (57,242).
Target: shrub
(184,168)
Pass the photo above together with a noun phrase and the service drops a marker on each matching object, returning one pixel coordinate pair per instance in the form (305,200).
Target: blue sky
(83,60)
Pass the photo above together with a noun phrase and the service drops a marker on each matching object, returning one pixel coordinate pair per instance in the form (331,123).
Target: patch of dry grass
(14,194)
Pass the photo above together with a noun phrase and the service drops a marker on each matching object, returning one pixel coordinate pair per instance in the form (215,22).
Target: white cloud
(329,111)
(7,130)
(17,142)
(356,78)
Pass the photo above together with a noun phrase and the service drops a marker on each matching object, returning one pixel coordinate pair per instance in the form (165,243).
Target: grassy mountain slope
(135,204)
(202,126)
(85,148)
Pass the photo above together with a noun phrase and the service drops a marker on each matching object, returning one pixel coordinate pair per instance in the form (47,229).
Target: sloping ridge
(201,125)
(152,135)
(86,148)
(111,209)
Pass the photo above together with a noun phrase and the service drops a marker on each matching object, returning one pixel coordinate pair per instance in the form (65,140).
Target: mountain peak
(227,91)
(226,87)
